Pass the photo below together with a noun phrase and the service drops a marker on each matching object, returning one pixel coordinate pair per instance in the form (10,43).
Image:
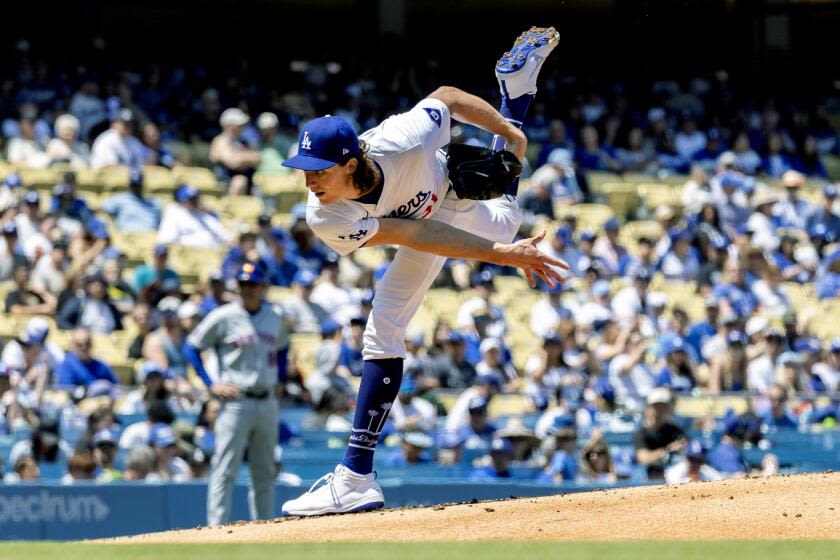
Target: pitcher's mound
(782,507)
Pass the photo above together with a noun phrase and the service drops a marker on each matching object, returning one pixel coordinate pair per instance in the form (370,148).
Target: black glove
(480,173)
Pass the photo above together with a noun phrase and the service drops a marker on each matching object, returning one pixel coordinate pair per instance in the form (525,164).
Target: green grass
(736,550)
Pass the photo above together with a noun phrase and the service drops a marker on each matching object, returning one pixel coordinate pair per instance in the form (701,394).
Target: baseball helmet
(251,272)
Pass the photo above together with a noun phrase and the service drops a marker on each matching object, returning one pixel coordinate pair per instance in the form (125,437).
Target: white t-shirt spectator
(459,416)
(12,356)
(761,373)
(337,301)
(773,301)
(419,412)
(27,153)
(199,229)
(47,276)
(632,388)
(544,316)
(77,154)
(495,328)
(110,148)
(134,435)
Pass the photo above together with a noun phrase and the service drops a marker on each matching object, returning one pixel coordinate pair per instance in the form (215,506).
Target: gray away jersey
(246,344)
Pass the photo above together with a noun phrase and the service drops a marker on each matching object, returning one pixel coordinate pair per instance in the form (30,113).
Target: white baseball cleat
(341,491)
(518,68)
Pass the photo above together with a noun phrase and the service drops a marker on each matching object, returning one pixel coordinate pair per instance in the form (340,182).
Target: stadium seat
(114,178)
(597,179)
(302,347)
(158,180)
(199,177)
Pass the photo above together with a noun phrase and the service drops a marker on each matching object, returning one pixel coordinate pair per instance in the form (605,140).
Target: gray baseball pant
(244,422)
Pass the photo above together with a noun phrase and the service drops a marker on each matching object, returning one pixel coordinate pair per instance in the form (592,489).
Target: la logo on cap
(306,143)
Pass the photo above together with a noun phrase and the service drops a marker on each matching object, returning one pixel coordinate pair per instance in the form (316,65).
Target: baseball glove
(480,173)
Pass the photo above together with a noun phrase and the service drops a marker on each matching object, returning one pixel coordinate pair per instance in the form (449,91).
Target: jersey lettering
(434,114)
(410,208)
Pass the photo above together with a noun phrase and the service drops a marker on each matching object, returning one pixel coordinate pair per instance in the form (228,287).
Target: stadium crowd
(614,353)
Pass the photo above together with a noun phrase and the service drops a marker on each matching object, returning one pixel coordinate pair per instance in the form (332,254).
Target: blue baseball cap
(501,446)
(31,197)
(9,228)
(564,234)
(830,191)
(161,435)
(587,235)
(808,345)
(477,404)
(105,436)
(304,277)
(834,346)
(731,179)
(186,192)
(13,181)
(329,327)
(737,337)
(670,343)
(324,142)
(251,272)
(612,224)
(279,234)
(161,249)
(150,368)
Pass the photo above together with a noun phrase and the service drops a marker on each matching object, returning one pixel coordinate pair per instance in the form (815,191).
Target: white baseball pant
(401,291)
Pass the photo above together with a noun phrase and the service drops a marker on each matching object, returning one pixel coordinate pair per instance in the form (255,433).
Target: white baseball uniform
(415,186)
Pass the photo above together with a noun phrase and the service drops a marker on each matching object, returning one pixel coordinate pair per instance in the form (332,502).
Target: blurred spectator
(450,367)
(44,445)
(629,302)
(607,248)
(789,372)
(87,106)
(792,211)
(139,462)
(153,281)
(72,212)
(492,363)
(591,155)
(761,370)
(501,454)
(561,246)
(824,213)
(118,145)
(66,148)
(304,314)
(658,437)
(484,388)
(157,412)
(80,468)
(113,270)
(154,152)
(693,467)
(563,463)
(163,346)
(51,270)
(11,252)
(630,375)
(167,466)
(351,347)
(27,150)
(273,146)
(778,416)
(677,371)
(415,448)
(92,309)
(25,470)
(105,456)
(337,301)
(410,412)
(235,162)
(522,439)
(728,458)
(548,311)
(772,297)
(11,192)
(141,316)
(215,294)
(732,293)
(775,161)
(281,268)
(728,370)
(203,125)
(537,200)
(746,159)
(596,461)
(133,212)
(186,222)
(79,366)
(681,262)
(328,374)
(27,299)
(244,251)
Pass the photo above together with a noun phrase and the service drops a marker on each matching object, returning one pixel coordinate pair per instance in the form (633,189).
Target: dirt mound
(783,507)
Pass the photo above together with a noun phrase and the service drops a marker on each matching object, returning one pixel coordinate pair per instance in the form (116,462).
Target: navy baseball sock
(514,110)
(380,384)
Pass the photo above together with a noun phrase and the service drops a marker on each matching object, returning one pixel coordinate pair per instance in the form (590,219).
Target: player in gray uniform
(251,340)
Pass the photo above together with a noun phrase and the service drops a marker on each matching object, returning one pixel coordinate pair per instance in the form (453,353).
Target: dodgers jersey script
(246,344)
(415,178)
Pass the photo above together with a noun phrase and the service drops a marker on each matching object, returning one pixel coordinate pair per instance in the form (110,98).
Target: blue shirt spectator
(563,467)
(281,267)
(79,367)
(132,212)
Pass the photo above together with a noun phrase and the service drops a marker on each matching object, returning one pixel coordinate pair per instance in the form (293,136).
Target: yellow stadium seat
(597,179)
(697,407)
(245,208)
(278,294)
(510,405)
(114,178)
(199,177)
(39,178)
(592,216)
(273,184)
(302,347)
(158,179)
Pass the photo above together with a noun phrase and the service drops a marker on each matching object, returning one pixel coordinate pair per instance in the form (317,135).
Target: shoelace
(327,479)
